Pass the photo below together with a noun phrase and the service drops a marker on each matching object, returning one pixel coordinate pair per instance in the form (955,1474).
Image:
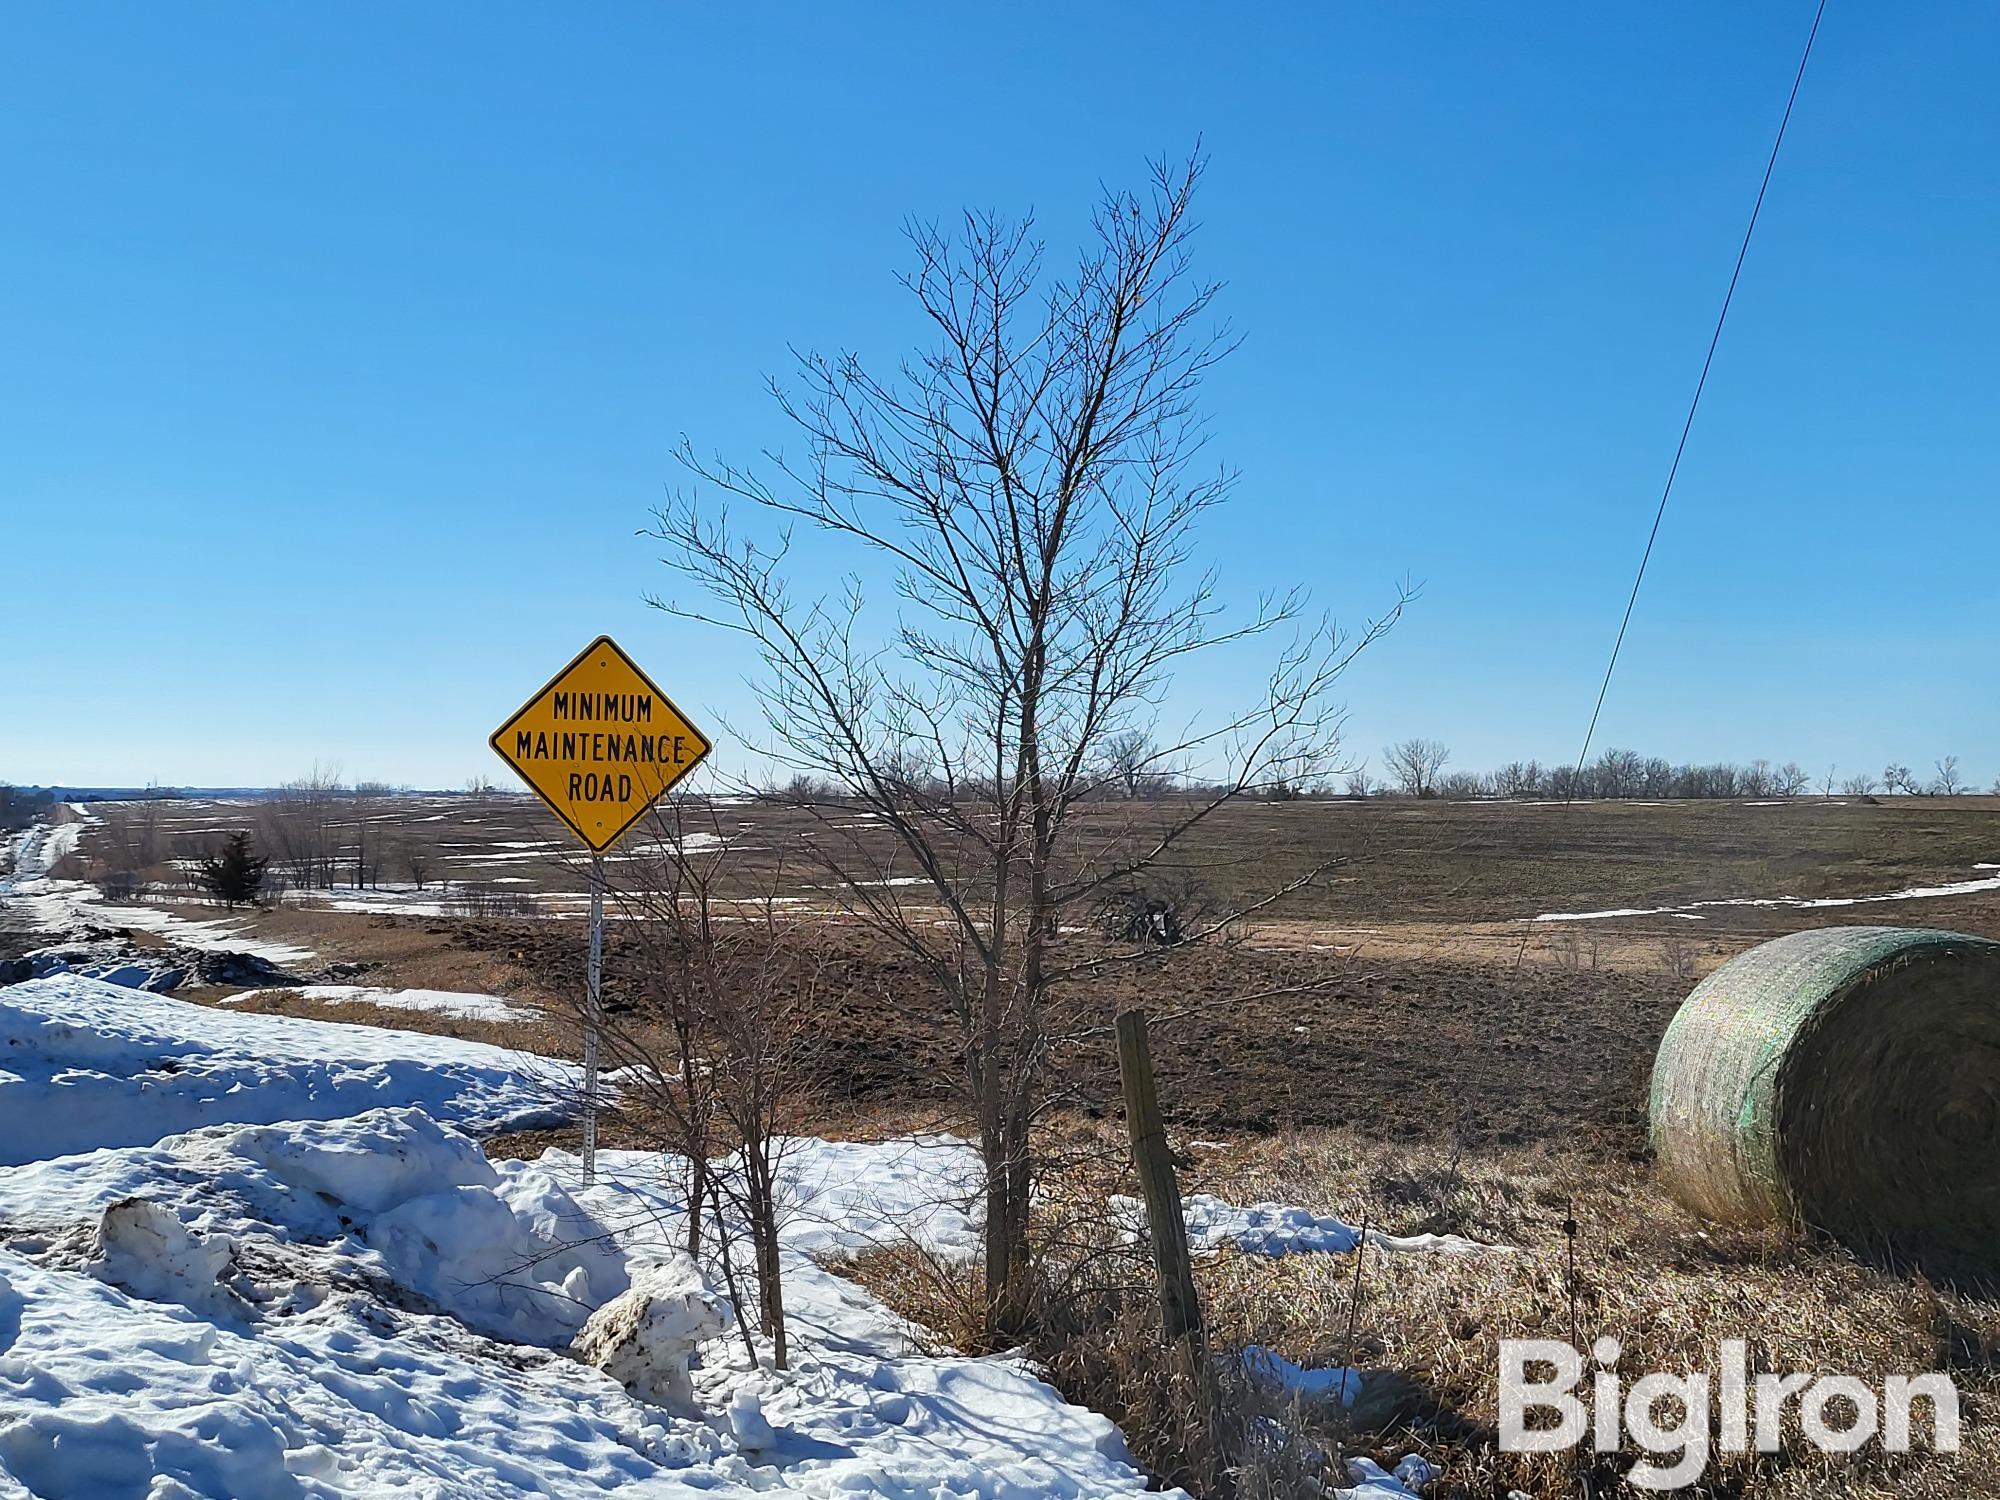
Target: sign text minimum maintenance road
(600,743)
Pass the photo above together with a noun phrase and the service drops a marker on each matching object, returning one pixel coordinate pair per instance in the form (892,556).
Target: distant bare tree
(1860,784)
(801,790)
(1792,779)
(1897,778)
(1620,773)
(1826,782)
(418,861)
(1679,957)
(149,827)
(298,825)
(1359,783)
(1949,782)
(19,808)
(1414,764)
(1132,766)
(364,811)
(131,843)
(1034,479)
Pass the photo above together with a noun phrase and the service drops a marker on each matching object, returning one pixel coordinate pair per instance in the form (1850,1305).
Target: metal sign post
(593,1012)
(600,743)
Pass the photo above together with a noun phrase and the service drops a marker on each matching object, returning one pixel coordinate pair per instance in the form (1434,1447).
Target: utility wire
(1695,405)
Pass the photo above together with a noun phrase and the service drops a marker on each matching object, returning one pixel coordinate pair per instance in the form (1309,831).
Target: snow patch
(1798,903)
(1281,1229)
(1281,1377)
(84,1064)
(467,1006)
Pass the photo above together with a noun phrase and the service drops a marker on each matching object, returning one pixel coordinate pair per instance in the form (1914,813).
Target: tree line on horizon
(1416,768)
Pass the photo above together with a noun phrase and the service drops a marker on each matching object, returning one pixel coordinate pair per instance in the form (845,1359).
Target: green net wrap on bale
(1847,1079)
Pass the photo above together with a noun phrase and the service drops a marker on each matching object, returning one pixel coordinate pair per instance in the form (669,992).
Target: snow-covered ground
(1281,1229)
(59,905)
(85,1064)
(340,1295)
(1800,903)
(458,1003)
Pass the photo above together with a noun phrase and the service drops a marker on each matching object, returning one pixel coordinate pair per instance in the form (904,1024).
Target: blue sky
(344,348)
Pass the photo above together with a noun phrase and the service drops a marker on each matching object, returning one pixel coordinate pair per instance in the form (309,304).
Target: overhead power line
(1695,405)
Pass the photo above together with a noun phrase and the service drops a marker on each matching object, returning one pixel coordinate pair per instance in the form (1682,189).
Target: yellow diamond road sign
(600,743)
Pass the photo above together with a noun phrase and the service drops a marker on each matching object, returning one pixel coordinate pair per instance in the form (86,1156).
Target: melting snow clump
(647,1338)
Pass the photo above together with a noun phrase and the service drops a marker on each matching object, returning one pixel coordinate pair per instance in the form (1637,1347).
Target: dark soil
(1453,1053)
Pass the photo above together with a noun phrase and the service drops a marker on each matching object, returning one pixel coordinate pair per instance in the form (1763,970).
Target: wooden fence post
(1180,1309)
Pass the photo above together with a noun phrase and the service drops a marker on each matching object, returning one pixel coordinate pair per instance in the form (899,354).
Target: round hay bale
(1847,1079)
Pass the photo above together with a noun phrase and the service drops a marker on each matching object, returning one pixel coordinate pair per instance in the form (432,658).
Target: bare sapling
(1034,481)
(718,1043)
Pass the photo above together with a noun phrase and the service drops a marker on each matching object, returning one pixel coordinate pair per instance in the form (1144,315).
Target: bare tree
(1359,782)
(1897,778)
(1132,767)
(721,1048)
(131,844)
(1792,779)
(1034,480)
(1413,765)
(1859,785)
(418,861)
(1949,782)
(1826,782)
(1620,773)
(148,832)
(298,825)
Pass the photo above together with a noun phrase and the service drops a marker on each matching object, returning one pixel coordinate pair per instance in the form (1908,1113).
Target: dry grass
(1667,1287)
(1428,1326)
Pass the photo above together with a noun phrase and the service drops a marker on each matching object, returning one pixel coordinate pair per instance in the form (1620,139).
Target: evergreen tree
(235,875)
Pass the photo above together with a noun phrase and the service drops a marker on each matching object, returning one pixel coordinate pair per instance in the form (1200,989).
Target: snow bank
(388,1197)
(85,1064)
(316,1376)
(112,960)
(102,1393)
